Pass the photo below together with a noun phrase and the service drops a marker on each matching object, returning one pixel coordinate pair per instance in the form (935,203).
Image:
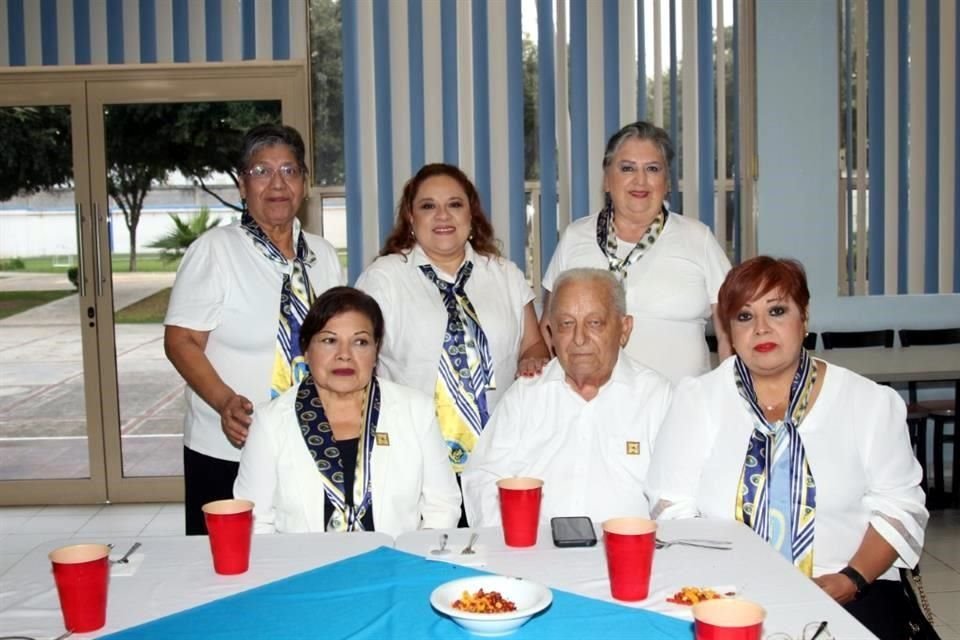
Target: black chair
(857,339)
(942,412)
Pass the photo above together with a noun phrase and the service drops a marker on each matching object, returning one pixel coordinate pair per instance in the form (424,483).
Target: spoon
(468,550)
(443,546)
(703,544)
(126,557)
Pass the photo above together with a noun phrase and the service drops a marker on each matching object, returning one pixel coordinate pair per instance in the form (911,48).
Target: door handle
(81,272)
(98,267)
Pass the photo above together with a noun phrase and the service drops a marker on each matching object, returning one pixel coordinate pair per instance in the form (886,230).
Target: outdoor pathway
(43,422)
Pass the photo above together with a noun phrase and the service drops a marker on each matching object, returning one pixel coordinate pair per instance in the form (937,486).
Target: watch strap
(856,577)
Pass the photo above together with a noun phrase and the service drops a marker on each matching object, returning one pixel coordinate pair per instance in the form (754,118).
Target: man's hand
(235,419)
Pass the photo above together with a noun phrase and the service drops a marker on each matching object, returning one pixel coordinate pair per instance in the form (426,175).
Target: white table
(899,364)
(176,574)
(753,567)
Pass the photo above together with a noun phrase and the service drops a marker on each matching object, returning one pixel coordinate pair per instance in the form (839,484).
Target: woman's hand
(531,367)
(235,419)
(837,586)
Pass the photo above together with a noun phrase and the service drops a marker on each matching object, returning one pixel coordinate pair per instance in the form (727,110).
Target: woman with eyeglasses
(233,323)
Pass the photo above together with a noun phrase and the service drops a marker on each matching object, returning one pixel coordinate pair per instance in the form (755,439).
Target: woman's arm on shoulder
(533,350)
(185,348)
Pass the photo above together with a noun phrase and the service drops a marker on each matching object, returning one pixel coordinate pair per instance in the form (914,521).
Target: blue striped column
(547,116)
(875,133)
(706,112)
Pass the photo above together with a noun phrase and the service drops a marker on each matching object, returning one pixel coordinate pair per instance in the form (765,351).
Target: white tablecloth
(753,567)
(175,573)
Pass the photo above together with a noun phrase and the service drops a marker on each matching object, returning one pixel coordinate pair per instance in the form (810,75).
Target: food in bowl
(484,602)
(528,598)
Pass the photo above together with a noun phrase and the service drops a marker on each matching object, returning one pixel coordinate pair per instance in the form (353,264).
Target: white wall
(798,138)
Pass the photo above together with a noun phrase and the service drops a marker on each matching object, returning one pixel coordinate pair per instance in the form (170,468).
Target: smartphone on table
(573,531)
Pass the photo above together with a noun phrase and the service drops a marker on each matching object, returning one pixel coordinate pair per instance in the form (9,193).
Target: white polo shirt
(226,286)
(416,319)
(592,456)
(669,290)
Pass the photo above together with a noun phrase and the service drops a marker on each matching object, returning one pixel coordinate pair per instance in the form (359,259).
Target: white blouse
(416,319)
(669,290)
(857,446)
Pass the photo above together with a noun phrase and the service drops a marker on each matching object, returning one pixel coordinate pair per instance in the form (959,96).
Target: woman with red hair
(813,457)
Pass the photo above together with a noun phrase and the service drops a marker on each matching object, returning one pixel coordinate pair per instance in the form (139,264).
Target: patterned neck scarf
(777,496)
(607,240)
(318,435)
(296,296)
(465,370)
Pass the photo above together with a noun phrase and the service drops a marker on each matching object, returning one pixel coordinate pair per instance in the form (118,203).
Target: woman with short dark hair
(813,457)
(240,297)
(343,450)
(671,265)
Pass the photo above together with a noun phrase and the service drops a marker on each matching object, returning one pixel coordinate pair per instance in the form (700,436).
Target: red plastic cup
(520,510)
(728,620)
(81,572)
(629,544)
(230,527)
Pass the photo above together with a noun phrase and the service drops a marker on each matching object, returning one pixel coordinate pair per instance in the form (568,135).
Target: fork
(722,545)
(126,557)
(468,550)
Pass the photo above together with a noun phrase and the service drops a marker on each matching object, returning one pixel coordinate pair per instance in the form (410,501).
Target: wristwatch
(857,578)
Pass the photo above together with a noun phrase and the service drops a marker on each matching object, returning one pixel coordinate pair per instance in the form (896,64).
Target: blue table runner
(385,593)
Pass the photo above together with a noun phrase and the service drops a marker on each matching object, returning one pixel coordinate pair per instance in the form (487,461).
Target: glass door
(51,438)
(153,194)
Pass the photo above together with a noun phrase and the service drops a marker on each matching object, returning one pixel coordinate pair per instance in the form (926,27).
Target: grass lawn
(150,310)
(149,262)
(13,302)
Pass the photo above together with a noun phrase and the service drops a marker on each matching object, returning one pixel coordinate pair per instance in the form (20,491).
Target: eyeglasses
(811,631)
(264,172)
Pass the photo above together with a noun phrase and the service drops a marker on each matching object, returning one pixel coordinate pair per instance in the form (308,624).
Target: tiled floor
(22,528)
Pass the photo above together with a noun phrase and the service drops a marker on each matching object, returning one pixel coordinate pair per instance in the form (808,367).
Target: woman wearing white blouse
(671,265)
(815,458)
(460,323)
(342,450)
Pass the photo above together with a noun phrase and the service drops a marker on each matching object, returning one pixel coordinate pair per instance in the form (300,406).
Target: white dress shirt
(857,446)
(592,455)
(416,319)
(226,286)
(412,486)
(669,290)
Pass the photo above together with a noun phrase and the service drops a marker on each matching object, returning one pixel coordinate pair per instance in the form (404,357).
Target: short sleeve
(199,290)
(519,287)
(374,282)
(558,263)
(715,265)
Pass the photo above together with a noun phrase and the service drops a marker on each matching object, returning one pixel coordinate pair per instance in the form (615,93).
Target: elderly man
(586,425)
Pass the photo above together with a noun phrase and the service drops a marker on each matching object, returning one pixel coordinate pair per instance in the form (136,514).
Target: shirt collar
(419,257)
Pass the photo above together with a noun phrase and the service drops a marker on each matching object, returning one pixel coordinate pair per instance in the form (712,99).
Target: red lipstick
(765,347)
(343,372)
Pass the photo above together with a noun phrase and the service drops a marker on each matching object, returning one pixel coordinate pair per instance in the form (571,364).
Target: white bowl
(529,597)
